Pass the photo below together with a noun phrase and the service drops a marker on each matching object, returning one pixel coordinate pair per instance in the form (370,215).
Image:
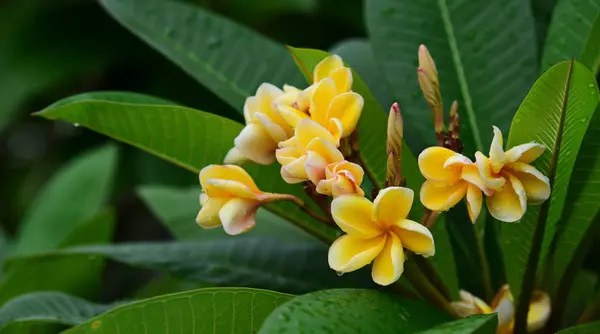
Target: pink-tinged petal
(227,172)
(438,196)
(237,215)
(525,153)
(415,237)
(345,186)
(287,155)
(509,203)
(491,180)
(347,107)
(227,188)
(256,144)
(315,167)
(295,172)
(250,107)
(234,157)
(432,161)
(326,66)
(389,264)
(503,305)
(474,202)
(539,311)
(392,205)
(342,77)
(469,305)
(208,217)
(536,184)
(349,253)
(355,169)
(325,187)
(307,130)
(324,92)
(291,115)
(497,156)
(353,215)
(276,132)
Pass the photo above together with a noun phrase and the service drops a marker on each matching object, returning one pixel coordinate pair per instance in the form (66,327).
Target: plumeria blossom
(342,178)
(329,101)
(230,198)
(377,232)
(511,180)
(503,305)
(307,154)
(450,176)
(265,127)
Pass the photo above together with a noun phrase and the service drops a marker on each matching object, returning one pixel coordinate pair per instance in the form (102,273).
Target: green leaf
(258,262)
(444,260)
(580,294)
(229,59)
(485,54)
(176,208)
(78,274)
(215,310)
(475,324)
(591,328)
(559,105)
(357,52)
(48,307)
(189,138)
(352,311)
(53,214)
(574,33)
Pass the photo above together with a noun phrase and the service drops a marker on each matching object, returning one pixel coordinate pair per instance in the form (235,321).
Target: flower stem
(420,282)
(306,209)
(321,201)
(434,278)
(590,313)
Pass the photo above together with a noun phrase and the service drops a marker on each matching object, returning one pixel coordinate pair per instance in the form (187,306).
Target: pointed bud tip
(420,70)
(395,107)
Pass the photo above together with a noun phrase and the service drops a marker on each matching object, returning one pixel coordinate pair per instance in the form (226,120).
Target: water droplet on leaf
(339,273)
(591,85)
(583,120)
(76,125)
(213,41)
(517,120)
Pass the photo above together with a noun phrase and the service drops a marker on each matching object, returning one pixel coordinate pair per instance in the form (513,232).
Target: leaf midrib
(460,72)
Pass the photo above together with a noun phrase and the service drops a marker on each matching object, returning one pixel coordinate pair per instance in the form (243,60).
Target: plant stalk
(420,282)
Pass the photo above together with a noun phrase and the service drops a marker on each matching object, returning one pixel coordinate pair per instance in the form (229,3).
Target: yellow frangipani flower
(265,127)
(511,180)
(306,155)
(450,176)
(329,101)
(230,198)
(342,178)
(503,305)
(377,232)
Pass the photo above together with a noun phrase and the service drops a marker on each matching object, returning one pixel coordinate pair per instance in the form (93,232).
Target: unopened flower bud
(395,134)
(430,86)
(454,126)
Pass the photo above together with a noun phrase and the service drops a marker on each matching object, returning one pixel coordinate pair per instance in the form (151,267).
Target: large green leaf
(574,33)
(485,52)
(555,113)
(186,137)
(352,311)
(78,274)
(591,328)
(444,260)
(177,208)
(53,214)
(475,324)
(258,262)
(48,307)
(229,59)
(214,310)
(358,54)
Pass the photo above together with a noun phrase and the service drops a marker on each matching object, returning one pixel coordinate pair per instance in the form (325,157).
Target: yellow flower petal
(303,101)
(389,264)
(343,185)
(307,130)
(525,153)
(235,157)
(536,184)
(415,237)
(509,203)
(497,158)
(208,217)
(336,128)
(290,94)
(469,305)
(431,164)
(251,106)
(287,155)
(325,186)
(349,253)
(325,66)
(256,144)
(320,100)
(346,107)
(355,169)
(490,179)
(325,149)
(539,311)
(353,215)
(276,132)
(228,188)
(342,77)
(392,205)
(295,172)
(320,153)
(227,172)
(438,196)
(470,173)
(503,305)
(474,202)
(237,215)
(291,115)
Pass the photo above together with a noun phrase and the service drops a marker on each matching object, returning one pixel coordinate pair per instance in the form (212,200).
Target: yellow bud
(395,133)
(430,86)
